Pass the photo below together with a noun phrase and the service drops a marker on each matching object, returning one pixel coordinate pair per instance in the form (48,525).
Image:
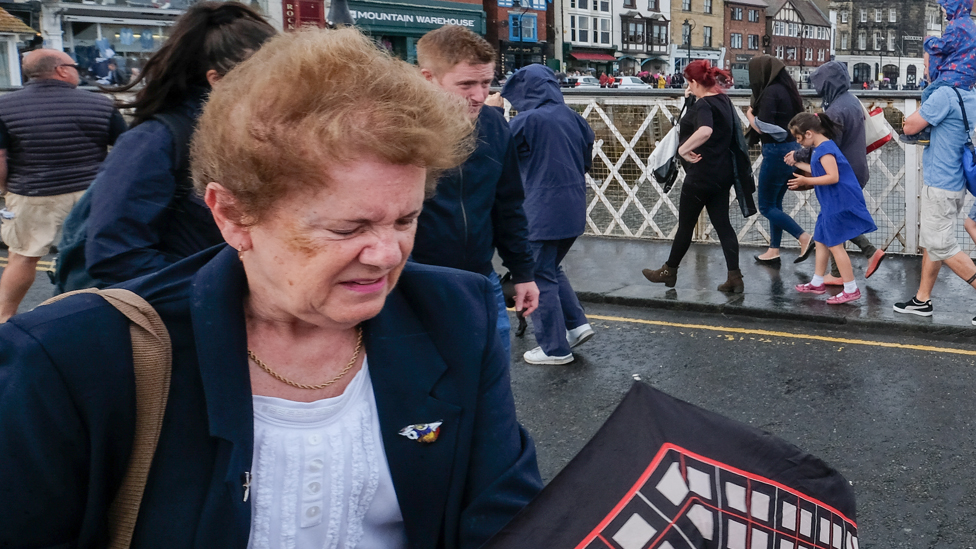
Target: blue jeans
(559,309)
(773,177)
(504,325)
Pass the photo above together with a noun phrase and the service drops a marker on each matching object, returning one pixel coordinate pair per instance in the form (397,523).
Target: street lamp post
(518,4)
(689,25)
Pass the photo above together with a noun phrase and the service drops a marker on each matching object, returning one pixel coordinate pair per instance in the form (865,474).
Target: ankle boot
(733,284)
(667,275)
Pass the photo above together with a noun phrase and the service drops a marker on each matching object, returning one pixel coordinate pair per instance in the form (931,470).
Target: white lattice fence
(626,201)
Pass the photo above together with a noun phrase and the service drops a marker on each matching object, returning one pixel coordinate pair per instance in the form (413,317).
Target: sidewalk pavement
(608,270)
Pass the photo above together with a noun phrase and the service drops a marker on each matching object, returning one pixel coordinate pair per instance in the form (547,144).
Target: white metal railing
(624,199)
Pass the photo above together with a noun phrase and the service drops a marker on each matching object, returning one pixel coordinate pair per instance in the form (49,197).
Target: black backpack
(69,270)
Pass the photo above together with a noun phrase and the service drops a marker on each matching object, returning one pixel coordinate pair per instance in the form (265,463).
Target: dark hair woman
(144,214)
(705,134)
(775,101)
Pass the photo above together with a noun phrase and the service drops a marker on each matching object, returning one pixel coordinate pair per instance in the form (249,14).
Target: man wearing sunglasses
(53,137)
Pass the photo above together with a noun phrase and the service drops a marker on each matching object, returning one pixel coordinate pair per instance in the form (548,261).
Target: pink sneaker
(811,289)
(844,297)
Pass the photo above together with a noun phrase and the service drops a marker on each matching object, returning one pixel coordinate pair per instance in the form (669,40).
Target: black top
(715,166)
(776,108)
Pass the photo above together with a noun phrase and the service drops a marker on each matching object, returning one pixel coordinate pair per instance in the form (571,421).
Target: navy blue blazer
(67,406)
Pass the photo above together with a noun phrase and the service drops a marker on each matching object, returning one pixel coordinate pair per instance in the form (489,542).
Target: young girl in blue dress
(843,213)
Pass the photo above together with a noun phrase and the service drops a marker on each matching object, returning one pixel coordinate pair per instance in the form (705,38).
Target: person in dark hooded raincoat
(775,101)
(555,150)
(831,81)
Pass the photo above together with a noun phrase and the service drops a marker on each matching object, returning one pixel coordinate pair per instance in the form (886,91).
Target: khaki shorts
(939,211)
(37,221)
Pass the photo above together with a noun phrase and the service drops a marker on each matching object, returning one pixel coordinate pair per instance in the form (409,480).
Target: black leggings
(715,200)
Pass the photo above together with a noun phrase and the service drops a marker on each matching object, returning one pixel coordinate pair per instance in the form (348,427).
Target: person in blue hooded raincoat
(555,150)
(951,57)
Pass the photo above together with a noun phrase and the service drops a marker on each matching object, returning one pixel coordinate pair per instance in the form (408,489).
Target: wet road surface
(894,414)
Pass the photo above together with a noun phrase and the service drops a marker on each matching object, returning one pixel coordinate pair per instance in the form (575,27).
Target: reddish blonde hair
(310,100)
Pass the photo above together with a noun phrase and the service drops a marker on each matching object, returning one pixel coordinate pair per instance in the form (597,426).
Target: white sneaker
(538,356)
(579,335)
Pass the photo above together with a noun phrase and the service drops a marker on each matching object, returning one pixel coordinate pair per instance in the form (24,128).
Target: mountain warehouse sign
(432,20)
(412,18)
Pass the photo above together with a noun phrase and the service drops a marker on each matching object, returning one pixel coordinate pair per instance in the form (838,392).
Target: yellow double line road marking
(42,266)
(788,335)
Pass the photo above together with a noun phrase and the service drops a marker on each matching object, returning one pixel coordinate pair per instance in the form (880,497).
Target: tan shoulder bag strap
(152,359)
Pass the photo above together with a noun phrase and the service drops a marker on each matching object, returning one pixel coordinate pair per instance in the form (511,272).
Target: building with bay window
(643,36)
(799,34)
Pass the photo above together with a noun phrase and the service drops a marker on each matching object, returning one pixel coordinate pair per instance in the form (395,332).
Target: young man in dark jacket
(555,150)
(478,207)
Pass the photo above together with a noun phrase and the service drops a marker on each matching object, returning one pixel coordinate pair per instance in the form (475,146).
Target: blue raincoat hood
(956,9)
(830,80)
(532,87)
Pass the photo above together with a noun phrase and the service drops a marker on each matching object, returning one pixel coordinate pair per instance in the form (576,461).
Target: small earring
(240,253)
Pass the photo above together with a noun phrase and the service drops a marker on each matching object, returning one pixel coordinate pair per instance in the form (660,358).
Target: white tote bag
(877,130)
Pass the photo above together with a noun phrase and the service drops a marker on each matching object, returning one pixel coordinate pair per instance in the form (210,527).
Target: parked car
(632,83)
(587,82)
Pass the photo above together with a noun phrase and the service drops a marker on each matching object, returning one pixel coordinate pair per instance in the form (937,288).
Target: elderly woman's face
(331,258)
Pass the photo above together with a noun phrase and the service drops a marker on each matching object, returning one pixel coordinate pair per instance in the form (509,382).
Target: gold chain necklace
(283,379)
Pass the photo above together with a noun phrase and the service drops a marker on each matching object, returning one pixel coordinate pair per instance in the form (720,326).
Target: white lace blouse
(320,478)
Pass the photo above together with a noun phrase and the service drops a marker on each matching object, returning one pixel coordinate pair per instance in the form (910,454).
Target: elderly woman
(301,350)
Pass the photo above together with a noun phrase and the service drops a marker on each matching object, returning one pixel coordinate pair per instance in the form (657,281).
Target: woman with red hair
(706,137)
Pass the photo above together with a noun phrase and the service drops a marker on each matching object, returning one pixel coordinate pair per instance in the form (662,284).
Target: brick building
(745,26)
(799,35)
(517,29)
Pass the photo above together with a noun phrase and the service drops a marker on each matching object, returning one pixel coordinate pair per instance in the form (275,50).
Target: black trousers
(715,200)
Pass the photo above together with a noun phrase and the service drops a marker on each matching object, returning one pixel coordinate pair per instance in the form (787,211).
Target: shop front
(396,26)
(592,61)
(94,35)
(516,55)
(680,58)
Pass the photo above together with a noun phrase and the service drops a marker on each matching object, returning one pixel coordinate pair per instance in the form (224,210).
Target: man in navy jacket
(555,150)
(478,207)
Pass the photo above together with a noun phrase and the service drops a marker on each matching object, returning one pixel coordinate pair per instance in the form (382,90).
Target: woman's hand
(687,91)
(799,183)
(690,156)
(789,159)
